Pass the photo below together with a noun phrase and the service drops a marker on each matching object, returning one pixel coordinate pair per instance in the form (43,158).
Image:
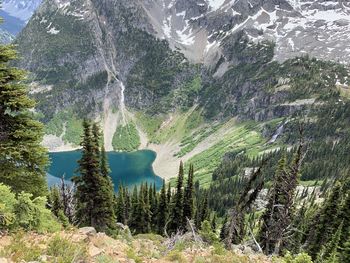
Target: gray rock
(89,231)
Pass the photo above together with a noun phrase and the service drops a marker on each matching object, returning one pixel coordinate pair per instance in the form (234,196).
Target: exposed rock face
(300,27)
(101,58)
(88,48)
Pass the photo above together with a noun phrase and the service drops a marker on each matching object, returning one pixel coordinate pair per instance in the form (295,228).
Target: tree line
(144,209)
(321,228)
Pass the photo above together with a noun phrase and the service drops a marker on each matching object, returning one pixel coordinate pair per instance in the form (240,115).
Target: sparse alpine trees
(278,217)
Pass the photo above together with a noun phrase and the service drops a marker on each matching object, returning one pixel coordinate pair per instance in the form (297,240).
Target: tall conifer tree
(94,193)
(162,210)
(188,204)
(177,222)
(23,160)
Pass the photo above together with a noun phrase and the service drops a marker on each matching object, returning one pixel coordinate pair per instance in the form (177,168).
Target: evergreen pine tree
(188,203)
(23,160)
(154,207)
(325,222)
(94,191)
(205,211)
(345,251)
(55,201)
(135,221)
(176,222)
(127,204)
(223,231)
(279,214)
(145,210)
(105,170)
(120,209)
(168,197)
(213,223)
(162,210)
(329,252)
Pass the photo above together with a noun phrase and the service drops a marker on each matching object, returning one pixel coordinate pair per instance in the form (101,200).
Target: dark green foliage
(345,251)
(55,201)
(329,252)
(325,221)
(162,210)
(177,222)
(328,229)
(280,210)
(188,202)
(207,233)
(23,160)
(202,211)
(120,206)
(94,194)
(159,212)
(126,138)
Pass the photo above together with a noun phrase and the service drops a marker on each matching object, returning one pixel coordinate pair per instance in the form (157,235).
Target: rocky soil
(98,247)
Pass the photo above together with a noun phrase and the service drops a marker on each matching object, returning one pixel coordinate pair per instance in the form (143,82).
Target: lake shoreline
(165,164)
(130,169)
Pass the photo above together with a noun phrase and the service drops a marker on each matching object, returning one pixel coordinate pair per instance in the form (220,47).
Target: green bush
(7,203)
(65,251)
(207,233)
(25,212)
(300,258)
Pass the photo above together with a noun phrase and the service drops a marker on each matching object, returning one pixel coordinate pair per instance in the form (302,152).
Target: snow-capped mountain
(320,28)
(16,14)
(21,9)
(95,57)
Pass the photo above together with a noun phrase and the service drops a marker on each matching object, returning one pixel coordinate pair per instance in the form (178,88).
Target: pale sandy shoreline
(164,166)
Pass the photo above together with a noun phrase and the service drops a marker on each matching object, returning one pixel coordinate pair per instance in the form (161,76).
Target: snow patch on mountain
(215,4)
(298,27)
(21,9)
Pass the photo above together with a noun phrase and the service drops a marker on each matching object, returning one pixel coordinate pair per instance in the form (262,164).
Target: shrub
(300,258)
(7,203)
(176,256)
(65,251)
(63,219)
(207,233)
(20,250)
(131,254)
(25,212)
(33,215)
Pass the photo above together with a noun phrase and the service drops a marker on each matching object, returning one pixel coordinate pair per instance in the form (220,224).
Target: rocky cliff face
(110,59)
(76,43)
(198,28)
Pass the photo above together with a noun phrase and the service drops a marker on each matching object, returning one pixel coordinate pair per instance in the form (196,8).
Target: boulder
(94,251)
(89,231)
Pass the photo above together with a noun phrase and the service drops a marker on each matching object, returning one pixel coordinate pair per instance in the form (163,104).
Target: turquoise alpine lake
(129,169)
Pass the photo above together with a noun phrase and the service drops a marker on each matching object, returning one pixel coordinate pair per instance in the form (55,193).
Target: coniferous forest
(290,204)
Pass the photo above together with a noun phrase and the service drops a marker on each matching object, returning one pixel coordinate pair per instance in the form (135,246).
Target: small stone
(44,258)
(247,250)
(89,231)
(94,251)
